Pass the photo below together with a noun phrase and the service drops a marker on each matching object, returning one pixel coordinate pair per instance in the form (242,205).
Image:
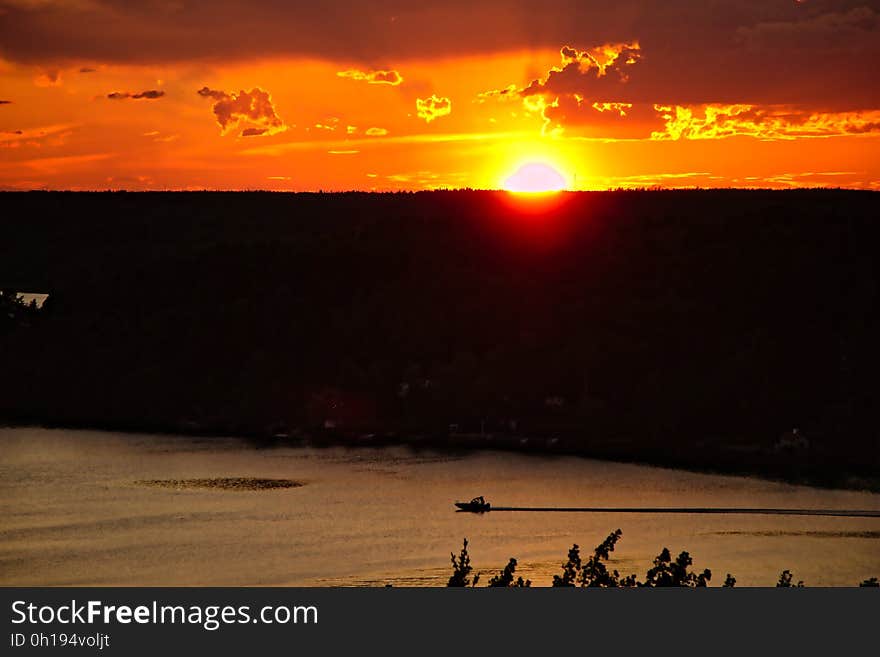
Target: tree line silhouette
(594,572)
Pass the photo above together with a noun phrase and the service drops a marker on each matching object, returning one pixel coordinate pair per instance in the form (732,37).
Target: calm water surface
(72,514)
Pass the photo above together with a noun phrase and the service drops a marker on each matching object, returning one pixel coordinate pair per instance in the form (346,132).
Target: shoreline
(716,460)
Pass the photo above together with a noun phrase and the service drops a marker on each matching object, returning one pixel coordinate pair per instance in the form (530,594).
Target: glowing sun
(535,178)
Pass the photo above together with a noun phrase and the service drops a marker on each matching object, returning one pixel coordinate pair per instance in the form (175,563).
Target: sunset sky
(391,94)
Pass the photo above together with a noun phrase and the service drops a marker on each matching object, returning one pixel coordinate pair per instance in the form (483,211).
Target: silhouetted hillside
(692,327)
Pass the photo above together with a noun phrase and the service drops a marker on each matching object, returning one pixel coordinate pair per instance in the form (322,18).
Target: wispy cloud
(37,136)
(680,179)
(430,179)
(56,164)
(422,138)
(390,77)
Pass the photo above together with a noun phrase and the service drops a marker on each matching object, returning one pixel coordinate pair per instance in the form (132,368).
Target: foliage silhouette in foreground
(461,569)
(506,578)
(785,581)
(594,573)
(667,572)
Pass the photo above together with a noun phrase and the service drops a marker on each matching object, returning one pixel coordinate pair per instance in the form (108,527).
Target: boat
(476,505)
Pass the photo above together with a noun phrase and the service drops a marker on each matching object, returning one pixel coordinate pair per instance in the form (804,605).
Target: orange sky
(230,95)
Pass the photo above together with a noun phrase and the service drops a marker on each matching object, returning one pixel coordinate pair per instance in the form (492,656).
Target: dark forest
(724,330)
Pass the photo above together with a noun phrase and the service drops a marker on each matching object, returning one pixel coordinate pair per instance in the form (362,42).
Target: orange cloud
(376,132)
(390,77)
(574,115)
(330,124)
(252,111)
(510,91)
(433,108)
(602,57)
(768,123)
(570,92)
(583,70)
(620,108)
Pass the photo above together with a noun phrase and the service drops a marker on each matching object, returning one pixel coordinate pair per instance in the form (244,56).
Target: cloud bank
(718,51)
(768,123)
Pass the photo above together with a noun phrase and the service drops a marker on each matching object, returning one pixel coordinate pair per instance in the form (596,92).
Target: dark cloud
(205,92)
(5,102)
(697,52)
(86,69)
(150,94)
(846,30)
(126,30)
(252,111)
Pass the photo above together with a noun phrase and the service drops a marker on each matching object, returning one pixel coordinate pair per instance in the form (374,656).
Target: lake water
(72,514)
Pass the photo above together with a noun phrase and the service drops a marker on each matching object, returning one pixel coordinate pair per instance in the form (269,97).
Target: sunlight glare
(535,178)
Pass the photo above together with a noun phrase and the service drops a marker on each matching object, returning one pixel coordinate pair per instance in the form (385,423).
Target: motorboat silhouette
(476,505)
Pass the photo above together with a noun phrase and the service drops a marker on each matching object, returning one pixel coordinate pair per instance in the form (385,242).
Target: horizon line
(264,190)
